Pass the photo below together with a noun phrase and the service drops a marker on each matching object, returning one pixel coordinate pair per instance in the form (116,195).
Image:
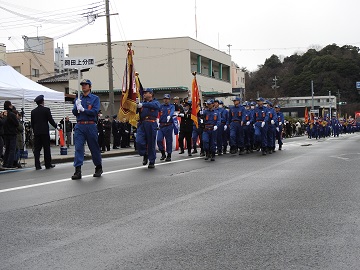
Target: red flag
(306,115)
(195,98)
(130,91)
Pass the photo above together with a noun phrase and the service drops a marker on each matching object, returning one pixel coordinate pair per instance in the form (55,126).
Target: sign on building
(79,62)
(358,85)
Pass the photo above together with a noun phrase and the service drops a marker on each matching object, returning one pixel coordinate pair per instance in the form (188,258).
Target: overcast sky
(255,29)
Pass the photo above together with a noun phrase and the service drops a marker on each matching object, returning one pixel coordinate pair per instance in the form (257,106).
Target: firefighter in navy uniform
(86,110)
(147,127)
(212,122)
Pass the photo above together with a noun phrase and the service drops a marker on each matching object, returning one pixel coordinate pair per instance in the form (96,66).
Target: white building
(163,64)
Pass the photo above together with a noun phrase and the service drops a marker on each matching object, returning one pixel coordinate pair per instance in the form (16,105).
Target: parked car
(52,133)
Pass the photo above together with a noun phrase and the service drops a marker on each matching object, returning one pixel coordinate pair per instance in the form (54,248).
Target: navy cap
(252,103)
(237,99)
(277,106)
(167,96)
(85,81)
(210,101)
(148,90)
(39,98)
(260,99)
(221,102)
(216,100)
(115,116)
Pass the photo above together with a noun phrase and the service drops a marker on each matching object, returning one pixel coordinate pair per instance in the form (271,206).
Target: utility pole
(312,94)
(330,116)
(338,94)
(229,45)
(109,60)
(275,86)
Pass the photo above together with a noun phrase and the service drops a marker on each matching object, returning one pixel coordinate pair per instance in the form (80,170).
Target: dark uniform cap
(115,116)
(39,98)
(237,99)
(260,99)
(221,102)
(210,101)
(148,90)
(277,106)
(167,96)
(85,81)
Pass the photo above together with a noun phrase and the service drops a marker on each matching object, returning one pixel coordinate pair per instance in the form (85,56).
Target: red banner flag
(306,115)
(130,91)
(195,98)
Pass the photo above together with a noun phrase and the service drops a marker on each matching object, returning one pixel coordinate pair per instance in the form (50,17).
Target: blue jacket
(212,117)
(261,114)
(236,113)
(165,111)
(149,110)
(91,104)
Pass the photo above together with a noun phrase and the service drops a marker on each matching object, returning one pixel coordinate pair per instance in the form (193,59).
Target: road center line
(90,175)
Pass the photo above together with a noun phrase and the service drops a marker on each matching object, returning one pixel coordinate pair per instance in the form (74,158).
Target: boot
(273,149)
(207,155)
(195,151)
(212,156)
(280,147)
(241,151)
(145,159)
(263,151)
(224,150)
(168,158)
(189,153)
(98,171)
(181,151)
(77,174)
(202,154)
(269,150)
(163,156)
(232,150)
(219,152)
(151,165)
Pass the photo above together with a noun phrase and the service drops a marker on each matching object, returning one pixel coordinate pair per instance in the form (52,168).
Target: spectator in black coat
(10,133)
(40,119)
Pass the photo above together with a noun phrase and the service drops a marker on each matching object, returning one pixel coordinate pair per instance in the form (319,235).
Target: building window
(297,101)
(35,72)
(18,69)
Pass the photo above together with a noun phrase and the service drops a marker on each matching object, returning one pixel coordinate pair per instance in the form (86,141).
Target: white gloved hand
(78,102)
(225,127)
(201,121)
(80,108)
(139,105)
(201,112)
(277,129)
(215,128)
(248,123)
(280,123)
(168,118)
(181,114)
(272,122)
(137,100)
(126,131)
(262,124)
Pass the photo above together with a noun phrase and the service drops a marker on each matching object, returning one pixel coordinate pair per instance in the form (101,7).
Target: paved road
(295,209)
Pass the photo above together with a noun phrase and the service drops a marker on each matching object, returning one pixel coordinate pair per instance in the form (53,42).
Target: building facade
(238,81)
(166,65)
(36,60)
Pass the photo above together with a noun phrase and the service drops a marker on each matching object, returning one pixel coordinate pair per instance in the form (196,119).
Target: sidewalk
(57,157)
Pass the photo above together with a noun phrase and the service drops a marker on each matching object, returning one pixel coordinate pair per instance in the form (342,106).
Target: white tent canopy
(13,85)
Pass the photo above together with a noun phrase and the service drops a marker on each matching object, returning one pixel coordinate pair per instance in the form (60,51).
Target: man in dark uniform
(186,129)
(107,133)
(86,110)
(115,132)
(40,119)
(100,130)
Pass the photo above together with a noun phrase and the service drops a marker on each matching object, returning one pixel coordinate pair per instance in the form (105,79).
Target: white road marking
(90,175)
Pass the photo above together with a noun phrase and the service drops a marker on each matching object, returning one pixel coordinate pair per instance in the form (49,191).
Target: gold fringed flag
(130,91)
(195,98)
(306,115)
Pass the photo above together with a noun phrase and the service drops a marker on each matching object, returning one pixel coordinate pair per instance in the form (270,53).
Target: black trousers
(187,136)
(42,141)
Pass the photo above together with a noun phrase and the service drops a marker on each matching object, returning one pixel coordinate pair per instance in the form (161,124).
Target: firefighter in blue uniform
(197,133)
(280,123)
(225,130)
(212,121)
(219,135)
(248,126)
(261,118)
(236,119)
(86,110)
(147,127)
(272,124)
(166,128)
(252,130)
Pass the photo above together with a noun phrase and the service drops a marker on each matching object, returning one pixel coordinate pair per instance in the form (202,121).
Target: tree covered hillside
(332,68)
